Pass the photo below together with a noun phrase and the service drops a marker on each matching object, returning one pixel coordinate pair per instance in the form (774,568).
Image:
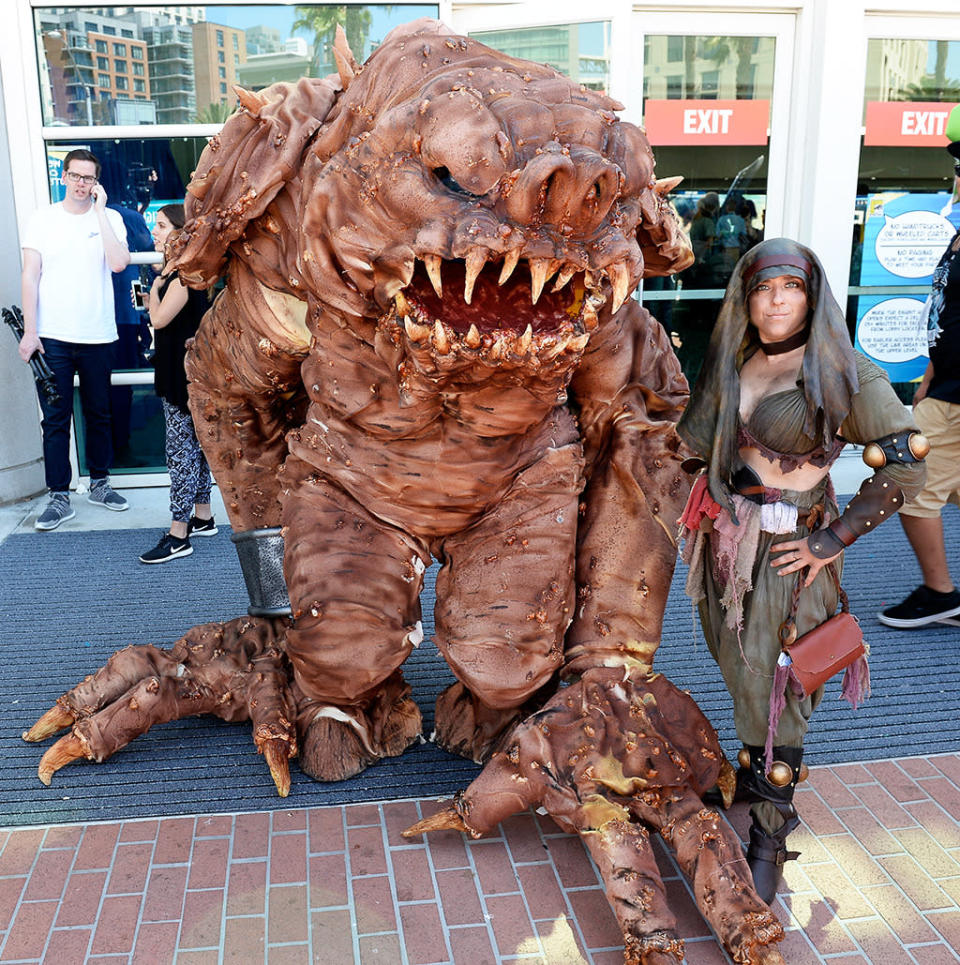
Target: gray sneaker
(102,494)
(55,512)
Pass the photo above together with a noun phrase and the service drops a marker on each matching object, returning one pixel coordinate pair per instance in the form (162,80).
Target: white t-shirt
(75,299)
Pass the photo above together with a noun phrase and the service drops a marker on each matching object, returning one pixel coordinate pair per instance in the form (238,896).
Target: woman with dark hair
(175,312)
(780,393)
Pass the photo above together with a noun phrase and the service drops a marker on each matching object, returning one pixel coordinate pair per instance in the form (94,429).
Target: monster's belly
(438,481)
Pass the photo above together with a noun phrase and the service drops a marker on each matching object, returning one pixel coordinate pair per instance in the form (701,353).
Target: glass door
(709,95)
(905,212)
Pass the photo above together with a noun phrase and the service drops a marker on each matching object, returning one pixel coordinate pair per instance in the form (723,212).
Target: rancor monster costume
(426,348)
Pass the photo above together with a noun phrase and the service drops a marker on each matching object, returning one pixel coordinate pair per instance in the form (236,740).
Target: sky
(385,18)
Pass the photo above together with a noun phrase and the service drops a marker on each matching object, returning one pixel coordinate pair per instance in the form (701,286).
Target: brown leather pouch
(825,650)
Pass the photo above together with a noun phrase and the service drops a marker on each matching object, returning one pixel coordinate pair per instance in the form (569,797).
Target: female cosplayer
(780,393)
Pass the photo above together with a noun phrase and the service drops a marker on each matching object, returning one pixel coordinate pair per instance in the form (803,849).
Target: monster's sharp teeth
(620,282)
(510,260)
(589,315)
(472,337)
(475,262)
(539,273)
(525,341)
(414,331)
(591,281)
(578,342)
(432,264)
(498,348)
(440,340)
(555,350)
(568,272)
(403,306)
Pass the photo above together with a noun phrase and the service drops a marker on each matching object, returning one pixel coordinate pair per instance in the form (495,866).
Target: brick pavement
(878,882)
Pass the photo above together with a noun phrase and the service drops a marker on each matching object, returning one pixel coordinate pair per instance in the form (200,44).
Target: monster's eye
(446,179)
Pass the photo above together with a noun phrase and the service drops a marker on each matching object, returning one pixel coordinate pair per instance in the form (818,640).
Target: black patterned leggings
(189,472)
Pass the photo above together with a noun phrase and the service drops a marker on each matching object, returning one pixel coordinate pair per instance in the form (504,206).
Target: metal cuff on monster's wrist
(260,552)
(876,501)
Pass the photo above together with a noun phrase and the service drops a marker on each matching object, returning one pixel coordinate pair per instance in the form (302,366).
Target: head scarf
(709,424)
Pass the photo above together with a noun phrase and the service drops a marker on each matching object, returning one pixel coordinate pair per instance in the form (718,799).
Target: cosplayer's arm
(629,391)
(879,421)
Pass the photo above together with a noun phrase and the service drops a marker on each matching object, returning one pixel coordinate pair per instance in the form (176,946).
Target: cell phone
(138,297)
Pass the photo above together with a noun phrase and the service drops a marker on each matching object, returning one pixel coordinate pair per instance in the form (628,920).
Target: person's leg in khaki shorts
(936,598)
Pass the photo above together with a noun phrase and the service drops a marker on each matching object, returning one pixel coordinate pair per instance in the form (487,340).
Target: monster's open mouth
(516,305)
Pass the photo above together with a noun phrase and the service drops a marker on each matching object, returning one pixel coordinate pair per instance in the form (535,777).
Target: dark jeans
(94,364)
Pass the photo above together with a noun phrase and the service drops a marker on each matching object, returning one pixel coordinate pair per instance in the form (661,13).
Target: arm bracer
(878,498)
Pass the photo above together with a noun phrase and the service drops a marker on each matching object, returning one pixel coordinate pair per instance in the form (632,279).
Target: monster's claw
(446,820)
(277,753)
(56,718)
(69,748)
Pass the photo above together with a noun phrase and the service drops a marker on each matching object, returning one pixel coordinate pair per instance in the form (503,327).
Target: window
(120,66)
(710,84)
(236,60)
(103,63)
(674,49)
(139,85)
(222,72)
(674,87)
(221,57)
(90,27)
(219,38)
(127,33)
(101,47)
(138,70)
(236,42)
(109,31)
(122,83)
(136,52)
(223,88)
(103,80)
(119,50)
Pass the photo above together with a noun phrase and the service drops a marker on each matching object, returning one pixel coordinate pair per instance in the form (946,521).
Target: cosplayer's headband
(771,266)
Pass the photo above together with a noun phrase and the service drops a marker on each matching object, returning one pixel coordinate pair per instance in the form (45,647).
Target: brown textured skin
(518,426)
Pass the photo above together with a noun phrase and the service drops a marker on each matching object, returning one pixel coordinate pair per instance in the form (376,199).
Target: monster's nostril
(444,176)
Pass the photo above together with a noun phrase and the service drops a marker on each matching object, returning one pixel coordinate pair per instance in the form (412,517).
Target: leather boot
(767,850)
(766,855)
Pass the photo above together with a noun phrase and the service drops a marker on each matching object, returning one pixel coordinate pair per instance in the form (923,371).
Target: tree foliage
(322,21)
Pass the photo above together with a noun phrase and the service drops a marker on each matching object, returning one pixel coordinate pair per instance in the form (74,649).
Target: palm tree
(214,113)
(942,90)
(323,22)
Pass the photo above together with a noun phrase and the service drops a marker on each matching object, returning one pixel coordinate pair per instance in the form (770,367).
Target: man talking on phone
(69,251)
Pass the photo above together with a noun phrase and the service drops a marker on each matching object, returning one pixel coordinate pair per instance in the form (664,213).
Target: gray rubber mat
(70,599)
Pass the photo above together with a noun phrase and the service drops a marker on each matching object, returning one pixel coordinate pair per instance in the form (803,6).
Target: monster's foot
(660,948)
(236,671)
(467,727)
(339,742)
(616,753)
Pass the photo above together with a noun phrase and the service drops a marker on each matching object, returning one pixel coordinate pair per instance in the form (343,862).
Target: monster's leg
(709,852)
(505,596)
(354,583)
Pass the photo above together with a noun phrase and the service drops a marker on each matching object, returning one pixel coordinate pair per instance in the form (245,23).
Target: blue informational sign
(905,236)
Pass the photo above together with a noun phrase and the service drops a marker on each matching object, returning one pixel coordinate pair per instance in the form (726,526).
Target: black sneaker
(57,511)
(202,527)
(169,548)
(921,607)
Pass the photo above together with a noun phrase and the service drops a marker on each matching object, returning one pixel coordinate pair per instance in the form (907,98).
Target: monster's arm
(629,391)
